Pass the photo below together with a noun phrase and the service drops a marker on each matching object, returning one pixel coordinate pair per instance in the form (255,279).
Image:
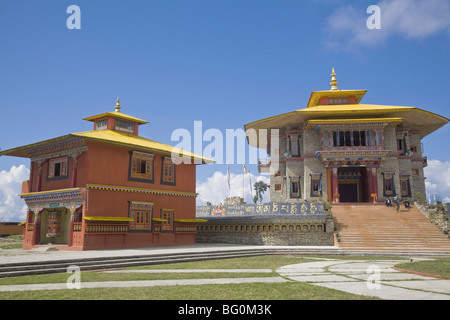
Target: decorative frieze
(69,147)
(67,198)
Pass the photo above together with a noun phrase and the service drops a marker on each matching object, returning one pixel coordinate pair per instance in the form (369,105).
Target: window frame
(101,124)
(388,176)
(136,157)
(167,226)
(316,180)
(124,125)
(64,168)
(292,194)
(404,182)
(166,162)
(143,210)
(294,143)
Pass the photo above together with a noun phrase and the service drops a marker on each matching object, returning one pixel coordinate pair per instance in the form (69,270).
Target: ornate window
(141,213)
(338,100)
(356,138)
(167,224)
(401,143)
(168,171)
(141,167)
(293,141)
(316,184)
(388,184)
(405,189)
(123,125)
(58,168)
(295,187)
(102,124)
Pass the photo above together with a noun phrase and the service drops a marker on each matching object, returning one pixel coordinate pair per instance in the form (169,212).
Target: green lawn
(249,291)
(11,242)
(440,267)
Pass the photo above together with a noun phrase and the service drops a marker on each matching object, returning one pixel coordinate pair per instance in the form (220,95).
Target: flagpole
(228,181)
(251,189)
(243,182)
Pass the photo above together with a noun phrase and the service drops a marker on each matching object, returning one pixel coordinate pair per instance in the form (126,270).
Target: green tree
(260,187)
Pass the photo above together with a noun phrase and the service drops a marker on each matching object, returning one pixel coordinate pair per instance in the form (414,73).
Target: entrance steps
(377,227)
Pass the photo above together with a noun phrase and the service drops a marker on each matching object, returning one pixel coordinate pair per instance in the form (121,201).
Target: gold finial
(117,105)
(333,81)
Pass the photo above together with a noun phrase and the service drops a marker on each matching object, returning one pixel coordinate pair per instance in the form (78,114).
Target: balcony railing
(77,227)
(106,228)
(353,148)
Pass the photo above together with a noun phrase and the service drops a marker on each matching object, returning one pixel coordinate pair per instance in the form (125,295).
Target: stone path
(375,278)
(192,271)
(141,283)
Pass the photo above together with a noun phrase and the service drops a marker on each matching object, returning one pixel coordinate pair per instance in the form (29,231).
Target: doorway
(352,183)
(55,225)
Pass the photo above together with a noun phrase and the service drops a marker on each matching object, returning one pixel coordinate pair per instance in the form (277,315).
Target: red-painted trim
(421,273)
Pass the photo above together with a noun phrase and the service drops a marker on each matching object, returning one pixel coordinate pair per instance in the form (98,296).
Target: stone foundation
(268,230)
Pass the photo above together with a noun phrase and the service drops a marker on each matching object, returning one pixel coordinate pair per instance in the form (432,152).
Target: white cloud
(215,188)
(438,180)
(12,208)
(411,19)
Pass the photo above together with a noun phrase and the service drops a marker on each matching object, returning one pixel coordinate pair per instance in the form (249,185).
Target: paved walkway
(375,278)
(45,255)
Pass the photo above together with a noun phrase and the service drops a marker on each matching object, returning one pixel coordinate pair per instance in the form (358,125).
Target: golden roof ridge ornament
(117,107)
(333,81)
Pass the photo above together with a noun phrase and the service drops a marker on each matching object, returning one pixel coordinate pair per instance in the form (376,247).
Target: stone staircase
(377,227)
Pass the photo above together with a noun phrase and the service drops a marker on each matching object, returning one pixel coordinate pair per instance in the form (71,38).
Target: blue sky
(224,62)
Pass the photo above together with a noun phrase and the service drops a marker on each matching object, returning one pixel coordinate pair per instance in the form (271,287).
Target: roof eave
(21,151)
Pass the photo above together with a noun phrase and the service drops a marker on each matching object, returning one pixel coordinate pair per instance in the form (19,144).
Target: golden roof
(411,117)
(311,124)
(131,140)
(414,118)
(110,137)
(316,95)
(117,114)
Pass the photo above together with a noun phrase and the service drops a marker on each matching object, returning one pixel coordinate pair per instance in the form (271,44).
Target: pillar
(39,177)
(374,184)
(72,218)
(74,173)
(37,227)
(369,185)
(335,185)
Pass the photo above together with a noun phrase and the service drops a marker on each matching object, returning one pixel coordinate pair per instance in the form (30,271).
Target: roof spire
(333,81)
(117,105)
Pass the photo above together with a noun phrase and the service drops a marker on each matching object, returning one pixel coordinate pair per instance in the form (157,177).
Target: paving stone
(385,291)
(322,278)
(191,271)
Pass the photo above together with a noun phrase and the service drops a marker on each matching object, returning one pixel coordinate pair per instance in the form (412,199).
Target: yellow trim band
(137,190)
(190,220)
(97,218)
